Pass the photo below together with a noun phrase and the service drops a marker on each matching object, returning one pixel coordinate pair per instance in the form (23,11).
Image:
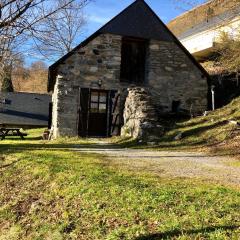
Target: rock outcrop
(140,116)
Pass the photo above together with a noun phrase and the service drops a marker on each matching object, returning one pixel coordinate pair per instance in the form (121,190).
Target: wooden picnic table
(11,132)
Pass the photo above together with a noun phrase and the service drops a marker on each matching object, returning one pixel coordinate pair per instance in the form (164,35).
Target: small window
(133,60)
(176,106)
(102,107)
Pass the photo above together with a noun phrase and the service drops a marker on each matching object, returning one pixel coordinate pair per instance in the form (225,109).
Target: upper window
(133,60)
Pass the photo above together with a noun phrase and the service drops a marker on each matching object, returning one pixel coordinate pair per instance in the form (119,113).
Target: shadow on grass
(99,149)
(18,147)
(164,143)
(10,164)
(176,233)
(25,139)
(193,123)
(195,131)
(201,129)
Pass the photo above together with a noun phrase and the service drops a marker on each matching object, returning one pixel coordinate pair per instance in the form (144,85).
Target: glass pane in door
(102,107)
(94,97)
(103,97)
(94,107)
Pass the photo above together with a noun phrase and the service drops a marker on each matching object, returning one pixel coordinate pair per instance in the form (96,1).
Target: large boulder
(140,116)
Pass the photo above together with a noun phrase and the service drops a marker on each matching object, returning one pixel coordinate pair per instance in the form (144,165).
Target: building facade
(199,29)
(135,49)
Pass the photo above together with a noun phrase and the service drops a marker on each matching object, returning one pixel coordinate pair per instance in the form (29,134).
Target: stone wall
(140,116)
(97,62)
(65,109)
(170,75)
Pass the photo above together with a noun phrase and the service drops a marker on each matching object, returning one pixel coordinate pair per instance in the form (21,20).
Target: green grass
(201,132)
(49,192)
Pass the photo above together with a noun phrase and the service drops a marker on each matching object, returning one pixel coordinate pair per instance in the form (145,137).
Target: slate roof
(137,20)
(24,109)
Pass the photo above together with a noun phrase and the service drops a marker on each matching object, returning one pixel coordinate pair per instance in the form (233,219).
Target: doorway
(98,113)
(98,106)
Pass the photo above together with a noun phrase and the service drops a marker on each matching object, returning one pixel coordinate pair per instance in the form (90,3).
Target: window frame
(98,102)
(142,44)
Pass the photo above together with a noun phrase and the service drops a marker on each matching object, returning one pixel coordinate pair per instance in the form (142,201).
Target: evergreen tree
(7,85)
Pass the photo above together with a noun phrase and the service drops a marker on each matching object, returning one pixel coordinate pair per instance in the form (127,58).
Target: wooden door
(83,112)
(115,118)
(98,113)
(50,109)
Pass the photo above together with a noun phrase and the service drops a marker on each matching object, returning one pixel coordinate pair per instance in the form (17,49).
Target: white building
(199,29)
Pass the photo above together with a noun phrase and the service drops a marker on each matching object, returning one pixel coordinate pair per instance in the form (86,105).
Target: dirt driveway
(173,164)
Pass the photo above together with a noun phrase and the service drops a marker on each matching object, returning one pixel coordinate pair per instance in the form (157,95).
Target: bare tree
(31,78)
(228,49)
(20,74)
(21,19)
(58,34)
(18,16)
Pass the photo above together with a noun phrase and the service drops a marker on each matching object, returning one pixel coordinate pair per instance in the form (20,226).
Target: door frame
(98,110)
(84,111)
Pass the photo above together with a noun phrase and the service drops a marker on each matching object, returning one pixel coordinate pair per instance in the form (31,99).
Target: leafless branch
(21,20)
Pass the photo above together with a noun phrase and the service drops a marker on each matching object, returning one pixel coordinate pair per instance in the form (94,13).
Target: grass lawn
(48,192)
(211,133)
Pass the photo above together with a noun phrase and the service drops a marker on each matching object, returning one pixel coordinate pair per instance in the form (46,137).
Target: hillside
(32,79)
(217,131)
(202,13)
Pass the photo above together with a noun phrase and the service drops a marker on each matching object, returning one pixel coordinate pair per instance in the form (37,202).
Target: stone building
(90,84)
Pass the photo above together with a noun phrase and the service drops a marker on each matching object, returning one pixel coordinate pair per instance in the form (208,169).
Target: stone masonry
(99,61)
(140,116)
(170,76)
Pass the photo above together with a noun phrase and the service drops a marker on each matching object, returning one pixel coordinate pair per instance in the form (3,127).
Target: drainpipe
(213,97)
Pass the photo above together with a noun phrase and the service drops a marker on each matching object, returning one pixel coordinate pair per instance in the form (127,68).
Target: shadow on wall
(226,89)
(177,233)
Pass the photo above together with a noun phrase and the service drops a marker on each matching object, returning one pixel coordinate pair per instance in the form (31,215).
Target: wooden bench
(11,132)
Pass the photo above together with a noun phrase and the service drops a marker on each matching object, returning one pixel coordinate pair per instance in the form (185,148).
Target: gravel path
(171,163)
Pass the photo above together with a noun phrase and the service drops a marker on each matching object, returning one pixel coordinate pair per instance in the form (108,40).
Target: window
(98,102)
(176,106)
(133,60)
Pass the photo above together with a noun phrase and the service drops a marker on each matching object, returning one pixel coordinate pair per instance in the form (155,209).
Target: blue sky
(101,11)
